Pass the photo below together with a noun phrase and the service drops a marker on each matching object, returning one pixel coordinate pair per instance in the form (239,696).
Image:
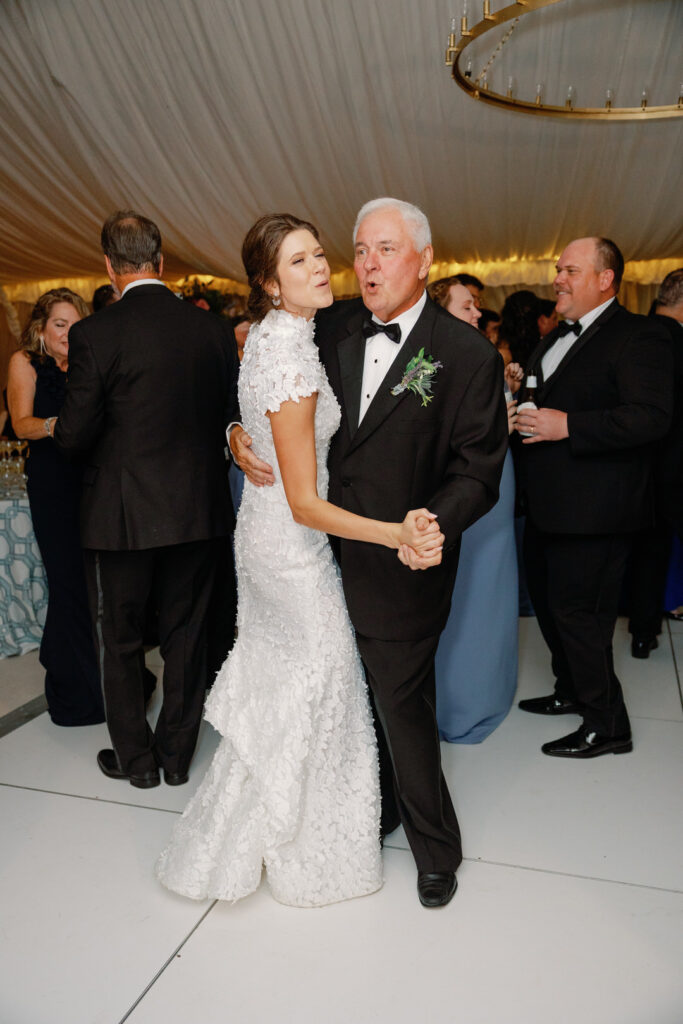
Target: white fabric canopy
(203,114)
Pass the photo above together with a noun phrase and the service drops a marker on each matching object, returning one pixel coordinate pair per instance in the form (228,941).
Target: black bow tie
(370,328)
(567,328)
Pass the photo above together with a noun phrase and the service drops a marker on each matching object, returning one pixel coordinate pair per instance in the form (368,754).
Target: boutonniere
(418,377)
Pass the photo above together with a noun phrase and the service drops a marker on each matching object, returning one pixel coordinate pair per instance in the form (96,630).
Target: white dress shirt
(142,280)
(558,350)
(381,351)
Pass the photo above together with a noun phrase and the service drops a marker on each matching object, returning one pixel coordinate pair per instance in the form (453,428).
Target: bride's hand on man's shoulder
(257,472)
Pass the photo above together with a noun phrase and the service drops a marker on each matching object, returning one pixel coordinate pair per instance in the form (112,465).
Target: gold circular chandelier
(478,87)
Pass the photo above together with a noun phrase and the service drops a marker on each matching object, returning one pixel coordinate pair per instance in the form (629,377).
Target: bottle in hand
(529,400)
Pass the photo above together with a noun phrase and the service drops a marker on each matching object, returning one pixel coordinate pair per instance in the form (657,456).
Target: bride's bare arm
(294,438)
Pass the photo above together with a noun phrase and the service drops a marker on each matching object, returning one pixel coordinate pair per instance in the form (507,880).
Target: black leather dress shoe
(108,764)
(175,778)
(586,743)
(641,646)
(550,705)
(436,888)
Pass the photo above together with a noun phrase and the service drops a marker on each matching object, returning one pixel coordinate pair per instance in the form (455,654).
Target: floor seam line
(550,871)
(167,963)
(94,799)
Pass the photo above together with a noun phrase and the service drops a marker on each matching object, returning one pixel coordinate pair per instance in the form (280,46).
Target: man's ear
(606,278)
(426,260)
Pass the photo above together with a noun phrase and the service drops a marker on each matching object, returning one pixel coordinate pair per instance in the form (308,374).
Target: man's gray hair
(414,218)
(670,292)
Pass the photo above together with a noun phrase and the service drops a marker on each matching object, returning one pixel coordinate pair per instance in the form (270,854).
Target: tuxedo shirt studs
(380,352)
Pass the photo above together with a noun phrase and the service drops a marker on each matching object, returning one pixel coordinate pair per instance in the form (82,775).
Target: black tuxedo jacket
(668,469)
(447,457)
(615,384)
(152,384)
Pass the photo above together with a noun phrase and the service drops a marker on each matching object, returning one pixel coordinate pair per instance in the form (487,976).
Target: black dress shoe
(550,705)
(586,743)
(641,646)
(436,888)
(108,764)
(175,778)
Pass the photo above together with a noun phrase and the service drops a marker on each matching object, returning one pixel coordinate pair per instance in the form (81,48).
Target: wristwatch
(48,423)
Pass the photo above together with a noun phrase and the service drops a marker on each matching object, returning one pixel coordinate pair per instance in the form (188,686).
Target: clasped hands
(420,540)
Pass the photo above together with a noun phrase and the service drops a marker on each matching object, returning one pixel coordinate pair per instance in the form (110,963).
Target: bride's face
(303,275)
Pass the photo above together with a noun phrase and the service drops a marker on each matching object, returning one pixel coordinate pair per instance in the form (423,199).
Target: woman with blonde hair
(35,391)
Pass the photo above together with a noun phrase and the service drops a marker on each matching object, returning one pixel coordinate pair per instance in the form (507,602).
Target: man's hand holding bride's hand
(421,540)
(257,472)
(420,531)
(410,557)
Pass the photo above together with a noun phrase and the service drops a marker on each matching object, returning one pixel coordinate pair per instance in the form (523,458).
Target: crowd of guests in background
(129,492)
(476,678)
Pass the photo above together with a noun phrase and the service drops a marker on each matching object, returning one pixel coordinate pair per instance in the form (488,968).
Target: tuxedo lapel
(580,343)
(534,366)
(384,403)
(351,356)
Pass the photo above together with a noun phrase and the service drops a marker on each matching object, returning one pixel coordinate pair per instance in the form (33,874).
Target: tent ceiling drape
(205,113)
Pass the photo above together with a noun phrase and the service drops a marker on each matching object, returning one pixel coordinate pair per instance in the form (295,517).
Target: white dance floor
(569,907)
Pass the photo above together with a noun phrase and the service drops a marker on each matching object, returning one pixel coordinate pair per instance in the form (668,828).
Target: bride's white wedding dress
(294,784)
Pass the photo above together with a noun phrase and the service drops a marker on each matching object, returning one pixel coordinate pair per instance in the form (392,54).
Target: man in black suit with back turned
(604,397)
(152,385)
(392,453)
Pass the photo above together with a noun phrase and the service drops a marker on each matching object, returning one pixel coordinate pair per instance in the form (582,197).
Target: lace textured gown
(294,782)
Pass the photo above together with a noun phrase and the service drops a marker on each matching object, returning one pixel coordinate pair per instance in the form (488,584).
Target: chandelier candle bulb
(643,99)
(570,97)
(464,31)
(450,49)
(468,69)
(609,96)
(539,92)
(511,86)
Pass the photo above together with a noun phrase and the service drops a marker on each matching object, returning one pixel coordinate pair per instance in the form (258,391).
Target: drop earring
(43,350)
(275,299)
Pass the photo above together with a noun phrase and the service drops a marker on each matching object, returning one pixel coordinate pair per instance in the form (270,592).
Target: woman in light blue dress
(476,661)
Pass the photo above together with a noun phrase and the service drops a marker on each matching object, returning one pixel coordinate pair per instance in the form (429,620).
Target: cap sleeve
(285,369)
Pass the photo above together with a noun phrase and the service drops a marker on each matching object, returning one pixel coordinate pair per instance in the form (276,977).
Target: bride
(293,786)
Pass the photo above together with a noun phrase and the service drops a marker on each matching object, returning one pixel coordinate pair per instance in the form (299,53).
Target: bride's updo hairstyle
(260,255)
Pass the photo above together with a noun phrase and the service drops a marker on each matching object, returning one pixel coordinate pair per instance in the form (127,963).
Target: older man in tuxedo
(605,396)
(394,452)
(152,384)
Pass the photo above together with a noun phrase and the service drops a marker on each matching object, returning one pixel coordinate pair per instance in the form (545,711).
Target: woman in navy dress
(476,661)
(36,389)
